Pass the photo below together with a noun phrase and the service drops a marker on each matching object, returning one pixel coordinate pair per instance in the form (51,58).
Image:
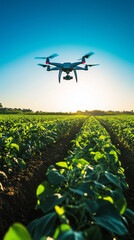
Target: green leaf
(108,217)
(103,179)
(62,164)
(61,228)
(82,161)
(70,235)
(21,163)
(44,190)
(129,214)
(17,232)
(84,189)
(54,177)
(91,206)
(124,184)
(93,233)
(98,156)
(98,185)
(119,201)
(48,203)
(59,210)
(112,178)
(43,226)
(108,198)
(102,137)
(113,156)
(14,145)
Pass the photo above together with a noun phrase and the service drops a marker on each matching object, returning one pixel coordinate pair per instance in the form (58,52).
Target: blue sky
(71,28)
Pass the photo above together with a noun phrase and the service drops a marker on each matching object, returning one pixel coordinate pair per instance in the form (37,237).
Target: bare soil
(18,200)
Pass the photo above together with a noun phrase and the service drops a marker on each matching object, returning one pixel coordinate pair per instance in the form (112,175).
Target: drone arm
(80,68)
(56,64)
(53,68)
(75,73)
(76,64)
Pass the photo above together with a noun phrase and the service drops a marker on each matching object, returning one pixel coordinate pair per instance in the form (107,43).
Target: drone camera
(68,77)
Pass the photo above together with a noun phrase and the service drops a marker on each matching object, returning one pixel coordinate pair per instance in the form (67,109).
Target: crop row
(122,127)
(83,197)
(20,138)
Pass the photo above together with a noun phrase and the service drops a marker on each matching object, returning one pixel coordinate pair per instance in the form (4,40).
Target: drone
(66,67)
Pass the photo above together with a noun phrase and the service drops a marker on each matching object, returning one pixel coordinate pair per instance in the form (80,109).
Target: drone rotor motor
(47,60)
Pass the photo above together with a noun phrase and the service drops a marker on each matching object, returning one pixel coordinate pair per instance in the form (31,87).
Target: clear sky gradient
(71,29)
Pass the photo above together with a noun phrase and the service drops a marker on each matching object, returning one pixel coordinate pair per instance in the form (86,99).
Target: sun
(78,100)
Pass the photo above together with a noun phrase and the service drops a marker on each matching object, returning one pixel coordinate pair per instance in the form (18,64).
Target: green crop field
(21,137)
(82,196)
(122,127)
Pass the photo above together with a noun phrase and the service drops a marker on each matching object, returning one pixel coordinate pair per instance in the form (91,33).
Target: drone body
(66,67)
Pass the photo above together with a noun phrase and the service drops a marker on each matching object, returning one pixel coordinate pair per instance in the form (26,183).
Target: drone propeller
(51,56)
(40,57)
(91,65)
(43,65)
(87,55)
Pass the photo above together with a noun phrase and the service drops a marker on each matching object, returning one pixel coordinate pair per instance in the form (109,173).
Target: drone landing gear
(75,75)
(60,72)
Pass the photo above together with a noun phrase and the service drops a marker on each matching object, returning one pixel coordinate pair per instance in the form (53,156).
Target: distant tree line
(1,105)
(101,113)
(52,113)
(4,110)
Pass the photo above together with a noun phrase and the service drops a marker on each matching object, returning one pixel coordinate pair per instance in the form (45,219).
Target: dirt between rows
(127,162)
(18,200)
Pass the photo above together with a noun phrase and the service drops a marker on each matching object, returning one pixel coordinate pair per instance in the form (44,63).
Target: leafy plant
(87,189)
(83,197)
(123,127)
(21,137)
